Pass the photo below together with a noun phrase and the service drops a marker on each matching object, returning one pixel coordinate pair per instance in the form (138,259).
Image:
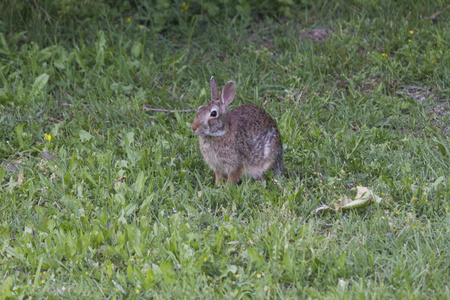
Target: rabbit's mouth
(199,133)
(197,129)
(207,133)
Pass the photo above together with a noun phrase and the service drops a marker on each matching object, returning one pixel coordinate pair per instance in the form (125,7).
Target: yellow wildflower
(411,31)
(137,292)
(185,7)
(47,137)
(127,20)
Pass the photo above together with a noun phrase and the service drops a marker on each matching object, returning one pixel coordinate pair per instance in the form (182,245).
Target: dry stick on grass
(169,111)
(72,98)
(67,94)
(436,14)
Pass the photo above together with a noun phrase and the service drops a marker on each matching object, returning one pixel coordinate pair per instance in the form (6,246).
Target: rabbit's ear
(228,93)
(214,91)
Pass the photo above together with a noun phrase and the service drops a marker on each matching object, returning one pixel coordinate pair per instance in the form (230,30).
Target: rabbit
(243,141)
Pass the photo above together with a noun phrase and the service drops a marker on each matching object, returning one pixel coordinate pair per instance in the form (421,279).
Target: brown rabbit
(243,141)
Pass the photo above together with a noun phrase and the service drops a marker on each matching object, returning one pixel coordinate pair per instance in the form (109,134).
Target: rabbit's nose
(194,126)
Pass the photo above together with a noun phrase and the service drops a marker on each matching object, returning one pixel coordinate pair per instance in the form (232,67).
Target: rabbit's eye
(214,113)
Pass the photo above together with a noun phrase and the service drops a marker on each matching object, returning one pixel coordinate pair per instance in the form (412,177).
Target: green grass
(127,208)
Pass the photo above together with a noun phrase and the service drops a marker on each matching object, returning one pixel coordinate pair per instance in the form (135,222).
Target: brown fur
(243,141)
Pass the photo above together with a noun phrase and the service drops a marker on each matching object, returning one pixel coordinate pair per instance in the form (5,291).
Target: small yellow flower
(414,227)
(303,261)
(383,194)
(44,272)
(259,275)
(137,292)
(426,200)
(185,7)
(127,20)
(205,259)
(384,54)
(253,285)
(86,273)
(342,171)
(382,284)
(397,212)
(132,259)
(211,284)
(414,198)
(442,229)
(411,31)
(237,275)
(47,137)
(410,41)
(43,280)
(442,196)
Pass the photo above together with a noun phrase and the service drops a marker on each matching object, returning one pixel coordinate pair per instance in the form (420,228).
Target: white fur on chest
(212,157)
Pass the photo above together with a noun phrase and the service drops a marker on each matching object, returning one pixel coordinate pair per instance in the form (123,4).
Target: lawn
(103,197)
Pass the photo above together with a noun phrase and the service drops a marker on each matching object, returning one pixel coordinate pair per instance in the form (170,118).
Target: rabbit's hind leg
(235,175)
(278,163)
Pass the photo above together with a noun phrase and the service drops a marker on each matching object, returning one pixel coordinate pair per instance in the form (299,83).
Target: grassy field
(102,198)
